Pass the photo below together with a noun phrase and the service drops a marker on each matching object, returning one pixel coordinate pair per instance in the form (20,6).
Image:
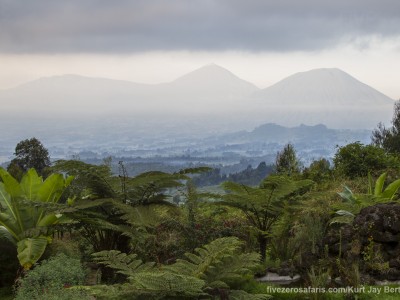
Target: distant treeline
(249,176)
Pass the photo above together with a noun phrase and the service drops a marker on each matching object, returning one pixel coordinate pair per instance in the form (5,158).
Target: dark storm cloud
(56,26)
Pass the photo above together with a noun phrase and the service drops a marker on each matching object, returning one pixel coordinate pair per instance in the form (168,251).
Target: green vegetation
(286,161)
(389,138)
(85,233)
(263,206)
(51,279)
(29,153)
(28,209)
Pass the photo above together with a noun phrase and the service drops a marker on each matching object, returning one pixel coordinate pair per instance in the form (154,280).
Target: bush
(51,279)
(357,160)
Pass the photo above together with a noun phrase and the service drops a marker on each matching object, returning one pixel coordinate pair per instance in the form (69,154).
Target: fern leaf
(122,262)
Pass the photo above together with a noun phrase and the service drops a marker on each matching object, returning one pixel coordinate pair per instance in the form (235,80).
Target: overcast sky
(153,41)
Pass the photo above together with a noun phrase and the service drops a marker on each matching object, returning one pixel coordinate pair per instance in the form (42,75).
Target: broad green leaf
(24,216)
(391,189)
(10,224)
(5,234)
(5,201)
(379,184)
(30,250)
(30,184)
(347,194)
(48,220)
(344,213)
(11,184)
(52,188)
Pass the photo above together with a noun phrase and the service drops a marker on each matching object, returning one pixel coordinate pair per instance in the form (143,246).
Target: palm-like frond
(217,263)
(211,268)
(145,279)
(167,283)
(148,188)
(263,205)
(97,179)
(127,264)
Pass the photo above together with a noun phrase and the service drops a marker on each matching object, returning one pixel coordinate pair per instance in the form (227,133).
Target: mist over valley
(206,117)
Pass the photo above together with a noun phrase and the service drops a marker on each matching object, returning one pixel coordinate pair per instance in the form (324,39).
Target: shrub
(51,279)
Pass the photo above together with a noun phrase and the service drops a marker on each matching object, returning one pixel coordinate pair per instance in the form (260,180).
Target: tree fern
(167,283)
(210,270)
(127,264)
(145,279)
(218,262)
(264,205)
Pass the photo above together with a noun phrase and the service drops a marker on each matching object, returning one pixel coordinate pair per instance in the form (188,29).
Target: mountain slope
(193,92)
(323,87)
(211,97)
(214,79)
(71,93)
(327,96)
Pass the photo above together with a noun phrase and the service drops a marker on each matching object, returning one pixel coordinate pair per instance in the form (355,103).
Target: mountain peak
(323,87)
(214,77)
(207,72)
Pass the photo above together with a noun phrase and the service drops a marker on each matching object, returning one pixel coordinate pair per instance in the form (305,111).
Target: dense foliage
(28,209)
(29,153)
(51,278)
(389,138)
(286,161)
(357,160)
(85,233)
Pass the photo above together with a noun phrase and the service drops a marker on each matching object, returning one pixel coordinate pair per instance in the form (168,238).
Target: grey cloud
(54,26)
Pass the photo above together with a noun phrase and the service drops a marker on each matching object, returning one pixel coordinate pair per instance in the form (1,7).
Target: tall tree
(357,160)
(389,138)
(286,161)
(264,205)
(29,153)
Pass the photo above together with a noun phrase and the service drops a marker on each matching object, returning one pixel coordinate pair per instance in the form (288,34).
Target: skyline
(152,41)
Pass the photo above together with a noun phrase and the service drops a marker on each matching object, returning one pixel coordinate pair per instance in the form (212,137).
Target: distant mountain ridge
(322,87)
(210,94)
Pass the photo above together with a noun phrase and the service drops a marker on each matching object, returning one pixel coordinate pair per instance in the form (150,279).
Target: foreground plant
(352,204)
(209,272)
(26,213)
(264,205)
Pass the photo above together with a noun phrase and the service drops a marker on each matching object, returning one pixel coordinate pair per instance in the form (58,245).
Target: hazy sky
(153,41)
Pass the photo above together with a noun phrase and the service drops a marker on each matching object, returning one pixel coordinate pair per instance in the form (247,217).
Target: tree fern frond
(148,215)
(219,261)
(126,264)
(167,283)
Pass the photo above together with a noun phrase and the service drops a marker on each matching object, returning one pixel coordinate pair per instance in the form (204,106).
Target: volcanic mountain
(322,87)
(328,96)
(209,87)
(209,94)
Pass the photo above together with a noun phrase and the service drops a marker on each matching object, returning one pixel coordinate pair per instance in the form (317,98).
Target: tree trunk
(262,240)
